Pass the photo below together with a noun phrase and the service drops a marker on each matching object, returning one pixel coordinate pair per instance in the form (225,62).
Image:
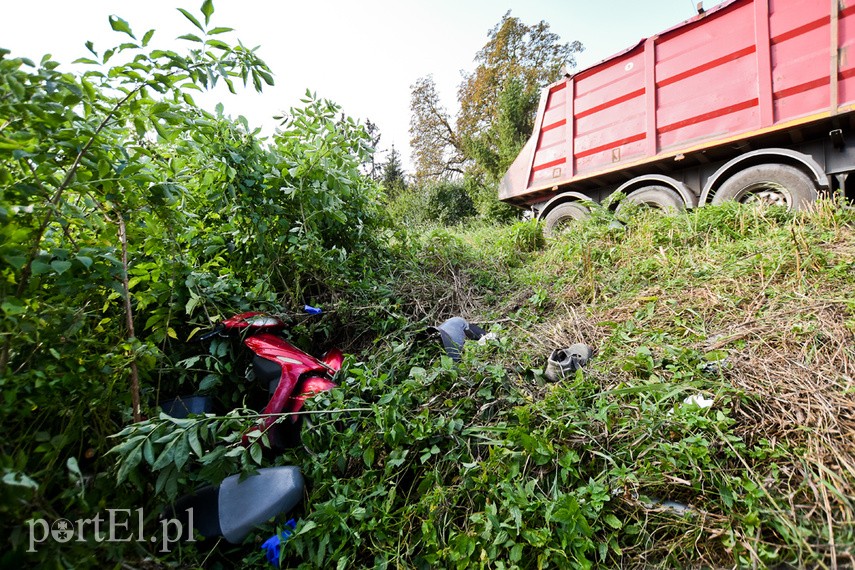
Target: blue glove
(312,310)
(273,545)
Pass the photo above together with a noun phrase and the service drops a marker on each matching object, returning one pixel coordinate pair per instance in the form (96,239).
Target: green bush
(486,199)
(527,236)
(444,203)
(115,187)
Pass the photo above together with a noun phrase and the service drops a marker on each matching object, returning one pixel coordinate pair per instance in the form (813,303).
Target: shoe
(565,361)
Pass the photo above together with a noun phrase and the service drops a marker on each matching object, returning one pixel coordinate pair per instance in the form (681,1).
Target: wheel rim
(563,223)
(564,220)
(766,193)
(659,198)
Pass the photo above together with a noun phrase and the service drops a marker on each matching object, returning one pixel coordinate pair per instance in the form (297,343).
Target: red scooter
(237,505)
(287,373)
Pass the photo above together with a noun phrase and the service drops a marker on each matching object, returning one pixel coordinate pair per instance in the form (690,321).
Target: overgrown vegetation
(485,463)
(132,218)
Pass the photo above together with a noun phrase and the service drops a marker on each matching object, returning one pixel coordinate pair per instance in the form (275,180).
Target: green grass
(485,464)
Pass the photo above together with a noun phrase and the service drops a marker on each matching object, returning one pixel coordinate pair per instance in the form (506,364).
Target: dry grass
(778,302)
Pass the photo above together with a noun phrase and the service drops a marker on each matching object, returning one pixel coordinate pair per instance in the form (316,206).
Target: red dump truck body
(744,76)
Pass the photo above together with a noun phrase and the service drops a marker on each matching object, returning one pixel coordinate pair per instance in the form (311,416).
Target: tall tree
(499,99)
(437,150)
(372,169)
(392,174)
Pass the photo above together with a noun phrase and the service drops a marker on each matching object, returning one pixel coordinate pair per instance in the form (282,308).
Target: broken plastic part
(713,367)
(182,406)
(235,507)
(656,503)
(489,336)
(454,333)
(243,505)
(699,401)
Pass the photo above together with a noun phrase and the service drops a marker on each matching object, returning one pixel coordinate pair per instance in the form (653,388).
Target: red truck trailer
(751,100)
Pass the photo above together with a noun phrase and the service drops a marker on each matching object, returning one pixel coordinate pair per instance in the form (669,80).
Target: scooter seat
(235,507)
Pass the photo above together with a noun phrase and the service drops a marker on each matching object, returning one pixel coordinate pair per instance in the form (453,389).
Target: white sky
(364,55)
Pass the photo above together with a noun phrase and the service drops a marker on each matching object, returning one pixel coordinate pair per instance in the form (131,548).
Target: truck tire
(562,215)
(774,184)
(659,197)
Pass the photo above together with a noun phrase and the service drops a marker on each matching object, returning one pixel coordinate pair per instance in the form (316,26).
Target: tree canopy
(437,149)
(497,101)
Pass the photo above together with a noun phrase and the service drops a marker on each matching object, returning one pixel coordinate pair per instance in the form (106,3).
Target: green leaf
(190,37)
(16,87)
(235,451)
(147,37)
(60,266)
(255,452)
(162,131)
(39,267)
(120,25)
(219,30)
(192,19)
(165,480)
(195,445)
(16,261)
(130,461)
(208,382)
(148,451)
(368,456)
(612,521)
(182,451)
(207,9)
(139,125)
(166,457)
(219,44)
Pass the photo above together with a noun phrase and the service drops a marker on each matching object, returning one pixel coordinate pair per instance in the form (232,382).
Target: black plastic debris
(566,361)
(454,333)
(714,367)
(182,406)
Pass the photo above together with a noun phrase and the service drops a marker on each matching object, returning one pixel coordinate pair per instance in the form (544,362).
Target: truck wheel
(659,197)
(774,184)
(563,215)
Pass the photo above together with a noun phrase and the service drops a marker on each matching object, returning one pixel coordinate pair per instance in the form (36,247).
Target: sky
(362,54)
